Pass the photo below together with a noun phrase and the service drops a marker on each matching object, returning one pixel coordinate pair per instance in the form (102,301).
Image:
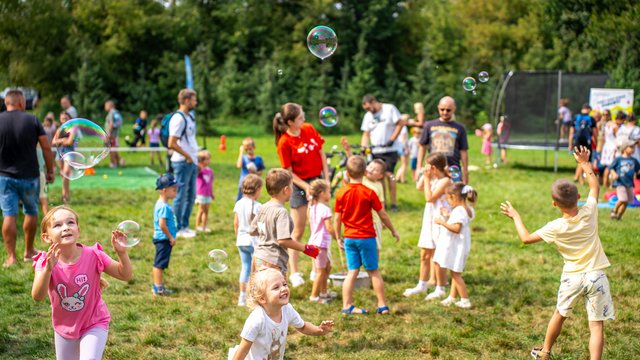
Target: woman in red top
(300,151)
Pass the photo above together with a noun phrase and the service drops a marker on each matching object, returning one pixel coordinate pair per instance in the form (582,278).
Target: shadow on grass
(549,168)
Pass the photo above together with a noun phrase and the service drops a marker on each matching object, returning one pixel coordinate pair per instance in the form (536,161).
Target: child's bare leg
(578,176)
(622,208)
(605,177)
(553,330)
(317,284)
(378,286)
(204,215)
(325,276)
(44,203)
(433,272)
(157,276)
(299,217)
(441,274)
(347,288)
(66,194)
(199,216)
(596,340)
(425,264)
(459,285)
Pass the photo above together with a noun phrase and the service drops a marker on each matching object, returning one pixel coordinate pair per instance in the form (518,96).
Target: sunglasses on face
(445,110)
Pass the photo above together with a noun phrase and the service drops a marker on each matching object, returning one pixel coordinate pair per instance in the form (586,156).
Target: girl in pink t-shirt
(204,190)
(70,273)
(321,234)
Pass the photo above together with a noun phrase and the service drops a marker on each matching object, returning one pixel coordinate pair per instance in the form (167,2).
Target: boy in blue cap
(164,231)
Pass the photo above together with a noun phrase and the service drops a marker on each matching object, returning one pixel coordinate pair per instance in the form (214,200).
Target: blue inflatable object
(614,199)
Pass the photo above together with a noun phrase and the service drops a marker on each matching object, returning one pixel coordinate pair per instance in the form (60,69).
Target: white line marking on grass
(151,171)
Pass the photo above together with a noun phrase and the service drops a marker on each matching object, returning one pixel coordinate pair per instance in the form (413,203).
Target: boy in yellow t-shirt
(575,235)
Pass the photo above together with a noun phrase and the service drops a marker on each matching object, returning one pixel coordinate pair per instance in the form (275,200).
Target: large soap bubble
(322,41)
(483,76)
(88,139)
(469,83)
(132,230)
(218,260)
(328,116)
(68,171)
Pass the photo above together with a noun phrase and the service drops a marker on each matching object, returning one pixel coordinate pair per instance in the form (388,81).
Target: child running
(264,335)
(204,191)
(354,203)
(455,243)
(434,181)
(321,234)
(576,237)
(70,273)
(244,212)
(273,225)
(165,230)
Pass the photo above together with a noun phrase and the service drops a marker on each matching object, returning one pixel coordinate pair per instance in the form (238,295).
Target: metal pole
(555,160)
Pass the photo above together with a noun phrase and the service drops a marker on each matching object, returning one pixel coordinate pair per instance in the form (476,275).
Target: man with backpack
(582,132)
(182,140)
(112,124)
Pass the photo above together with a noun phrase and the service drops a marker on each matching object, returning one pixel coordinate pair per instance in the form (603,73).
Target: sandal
(614,216)
(350,310)
(537,353)
(381,310)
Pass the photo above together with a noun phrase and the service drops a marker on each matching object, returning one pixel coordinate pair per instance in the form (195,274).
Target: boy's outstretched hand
(326,326)
(508,210)
(581,154)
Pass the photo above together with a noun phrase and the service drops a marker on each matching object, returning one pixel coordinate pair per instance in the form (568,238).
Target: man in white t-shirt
(381,126)
(182,140)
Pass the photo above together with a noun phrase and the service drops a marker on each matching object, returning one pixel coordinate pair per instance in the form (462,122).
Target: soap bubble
(69,171)
(322,41)
(455,173)
(469,83)
(218,260)
(328,116)
(89,140)
(280,72)
(132,230)
(483,76)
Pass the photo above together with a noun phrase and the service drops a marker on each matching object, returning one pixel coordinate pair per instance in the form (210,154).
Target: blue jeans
(245,257)
(12,190)
(185,198)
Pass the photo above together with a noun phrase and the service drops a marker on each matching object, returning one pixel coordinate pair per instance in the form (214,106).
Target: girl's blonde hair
(203,155)
(258,286)
(318,186)
(462,191)
(46,220)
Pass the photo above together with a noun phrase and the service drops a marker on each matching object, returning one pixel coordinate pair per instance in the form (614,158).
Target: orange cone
(89,171)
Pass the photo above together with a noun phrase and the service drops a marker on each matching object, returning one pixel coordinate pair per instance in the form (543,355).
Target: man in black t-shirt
(447,136)
(19,174)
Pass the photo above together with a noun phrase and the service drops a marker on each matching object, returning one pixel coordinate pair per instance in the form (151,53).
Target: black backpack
(583,126)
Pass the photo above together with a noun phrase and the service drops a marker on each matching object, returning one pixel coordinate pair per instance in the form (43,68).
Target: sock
(440,288)
(422,284)
(464,300)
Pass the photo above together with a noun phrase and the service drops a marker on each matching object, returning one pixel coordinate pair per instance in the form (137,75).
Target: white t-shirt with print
(243,210)
(380,127)
(268,337)
(187,142)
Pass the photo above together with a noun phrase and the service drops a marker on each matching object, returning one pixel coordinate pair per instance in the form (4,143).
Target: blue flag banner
(189,74)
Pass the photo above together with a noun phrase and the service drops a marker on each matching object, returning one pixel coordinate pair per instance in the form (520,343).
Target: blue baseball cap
(165,181)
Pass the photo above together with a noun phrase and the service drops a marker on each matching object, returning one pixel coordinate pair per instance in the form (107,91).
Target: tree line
(250,56)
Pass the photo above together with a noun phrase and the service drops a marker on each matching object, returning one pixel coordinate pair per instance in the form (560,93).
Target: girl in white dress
(433,182)
(609,148)
(455,243)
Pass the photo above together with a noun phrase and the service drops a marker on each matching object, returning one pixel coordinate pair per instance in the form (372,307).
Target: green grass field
(512,287)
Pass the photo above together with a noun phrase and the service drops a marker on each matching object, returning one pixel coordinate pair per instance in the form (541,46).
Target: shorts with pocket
(12,191)
(163,253)
(593,286)
(625,194)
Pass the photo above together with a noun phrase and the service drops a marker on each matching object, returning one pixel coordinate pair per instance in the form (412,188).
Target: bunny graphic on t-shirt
(75,302)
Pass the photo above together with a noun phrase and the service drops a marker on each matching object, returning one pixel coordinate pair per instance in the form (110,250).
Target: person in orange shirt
(354,203)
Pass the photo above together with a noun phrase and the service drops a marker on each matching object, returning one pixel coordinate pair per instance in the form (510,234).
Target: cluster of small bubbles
(322,41)
(218,260)
(84,145)
(328,116)
(131,230)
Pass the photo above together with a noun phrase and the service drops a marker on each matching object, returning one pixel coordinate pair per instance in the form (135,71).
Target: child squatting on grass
(165,230)
(353,206)
(575,235)
(243,213)
(70,273)
(274,226)
(264,335)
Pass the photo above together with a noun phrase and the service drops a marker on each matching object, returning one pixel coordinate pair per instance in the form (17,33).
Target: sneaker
(436,294)
(161,290)
(448,301)
(205,230)
(414,291)
(319,300)
(463,303)
(186,234)
(296,279)
(330,295)
(312,276)
(537,353)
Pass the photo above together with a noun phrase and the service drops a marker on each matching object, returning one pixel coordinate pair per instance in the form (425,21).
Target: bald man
(19,173)
(447,136)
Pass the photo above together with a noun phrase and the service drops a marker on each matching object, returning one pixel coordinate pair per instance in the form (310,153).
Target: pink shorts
(323,258)
(625,194)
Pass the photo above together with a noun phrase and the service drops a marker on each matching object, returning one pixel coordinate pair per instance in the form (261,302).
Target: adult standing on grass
(182,140)
(65,102)
(19,175)
(381,126)
(300,151)
(447,136)
(112,125)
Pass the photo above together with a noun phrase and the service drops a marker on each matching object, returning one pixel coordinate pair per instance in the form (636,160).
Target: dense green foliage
(414,50)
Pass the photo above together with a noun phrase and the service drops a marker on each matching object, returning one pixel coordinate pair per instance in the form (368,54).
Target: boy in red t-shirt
(354,203)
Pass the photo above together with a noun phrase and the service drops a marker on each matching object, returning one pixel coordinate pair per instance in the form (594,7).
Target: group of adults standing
(299,148)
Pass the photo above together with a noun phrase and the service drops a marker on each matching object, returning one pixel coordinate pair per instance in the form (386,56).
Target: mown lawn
(512,287)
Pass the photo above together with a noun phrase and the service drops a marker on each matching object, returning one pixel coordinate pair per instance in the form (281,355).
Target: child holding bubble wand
(265,331)
(70,273)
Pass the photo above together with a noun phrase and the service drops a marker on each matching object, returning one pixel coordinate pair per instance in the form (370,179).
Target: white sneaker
(186,234)
(448,301)
(463,303)
(414,291)
(296,279)
(312,276)
(436,294)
